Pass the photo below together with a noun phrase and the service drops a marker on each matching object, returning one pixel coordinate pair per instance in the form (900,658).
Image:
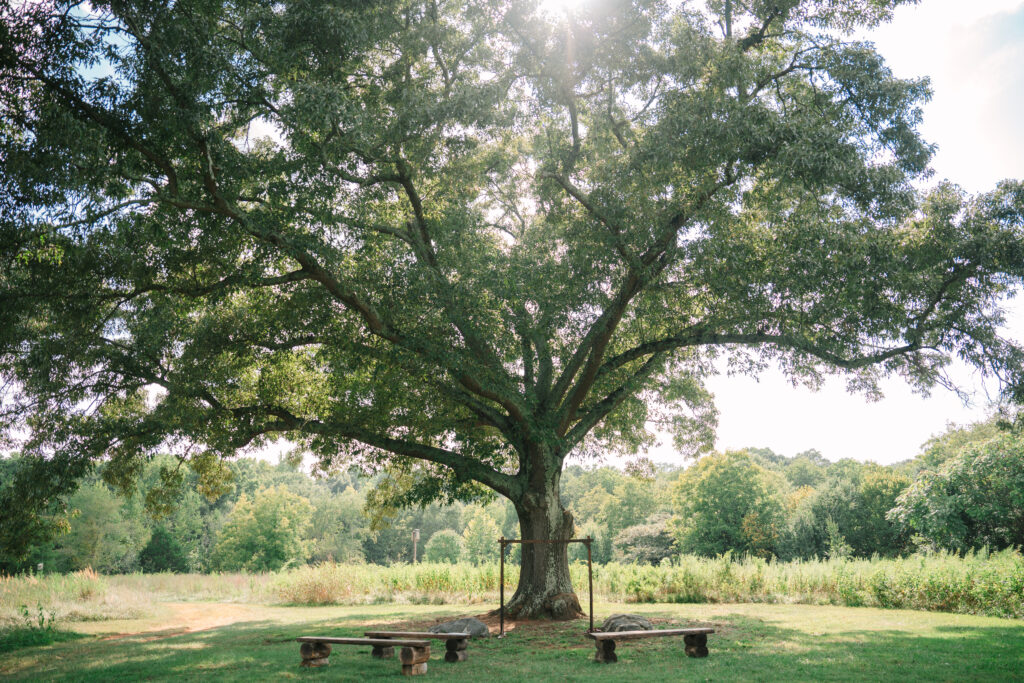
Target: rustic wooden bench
(455,643)
(414,655)
(696,640)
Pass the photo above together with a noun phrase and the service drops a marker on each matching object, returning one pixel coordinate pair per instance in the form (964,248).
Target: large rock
(473,627)
(626,622)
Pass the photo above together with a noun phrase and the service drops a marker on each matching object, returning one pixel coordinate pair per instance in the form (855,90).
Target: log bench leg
(606,652)
(381,652)
(455,650)
(696,645)
(414,660)
(315,654)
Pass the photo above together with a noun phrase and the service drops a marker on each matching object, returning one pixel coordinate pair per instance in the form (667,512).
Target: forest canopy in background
(964,491)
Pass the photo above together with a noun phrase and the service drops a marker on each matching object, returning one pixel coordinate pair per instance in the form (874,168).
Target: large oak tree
(462,239)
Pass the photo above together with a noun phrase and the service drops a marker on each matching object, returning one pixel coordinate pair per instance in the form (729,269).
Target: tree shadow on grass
(246,651)
(743,648)
(12,639)
(753,649)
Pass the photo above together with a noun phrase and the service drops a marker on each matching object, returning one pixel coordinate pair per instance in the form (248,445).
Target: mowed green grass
(752,642)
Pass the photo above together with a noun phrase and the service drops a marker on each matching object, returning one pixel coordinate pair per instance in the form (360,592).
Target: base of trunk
(558,606)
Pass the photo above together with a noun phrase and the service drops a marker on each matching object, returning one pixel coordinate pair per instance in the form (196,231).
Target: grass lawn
(235,642)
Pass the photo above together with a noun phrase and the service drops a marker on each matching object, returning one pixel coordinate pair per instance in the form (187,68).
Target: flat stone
(414,669)
(323,661)
(626,622)
(474,627)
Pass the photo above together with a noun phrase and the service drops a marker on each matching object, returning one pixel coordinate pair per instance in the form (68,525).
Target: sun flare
(559,7)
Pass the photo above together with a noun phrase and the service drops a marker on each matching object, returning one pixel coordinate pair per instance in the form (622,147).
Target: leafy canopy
(974,499)
(443,546)
(264,533)
(461,238)
(728,502)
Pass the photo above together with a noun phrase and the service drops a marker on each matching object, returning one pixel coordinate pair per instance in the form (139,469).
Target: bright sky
(974,54)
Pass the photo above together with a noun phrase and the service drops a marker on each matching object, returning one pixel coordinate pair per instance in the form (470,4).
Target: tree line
(964,490)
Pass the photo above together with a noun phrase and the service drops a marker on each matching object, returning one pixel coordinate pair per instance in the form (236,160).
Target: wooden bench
(414,655)
(455,643)
(696,640)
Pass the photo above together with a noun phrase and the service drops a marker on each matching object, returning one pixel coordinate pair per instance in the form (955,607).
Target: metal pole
(590,580)
(501,587)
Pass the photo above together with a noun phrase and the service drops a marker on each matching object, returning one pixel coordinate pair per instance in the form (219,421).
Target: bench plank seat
(416,634)
(381,642)
(634,635)
(455,643)
(696,640)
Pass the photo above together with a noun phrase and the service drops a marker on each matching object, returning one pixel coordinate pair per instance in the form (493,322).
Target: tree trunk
(545,589)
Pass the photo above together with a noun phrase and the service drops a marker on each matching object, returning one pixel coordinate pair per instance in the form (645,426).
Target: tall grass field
(981,584)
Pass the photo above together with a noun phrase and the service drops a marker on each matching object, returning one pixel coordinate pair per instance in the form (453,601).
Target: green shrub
(37,628)
(444,546)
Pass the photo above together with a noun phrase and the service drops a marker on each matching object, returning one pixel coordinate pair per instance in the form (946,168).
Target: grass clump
(35,629)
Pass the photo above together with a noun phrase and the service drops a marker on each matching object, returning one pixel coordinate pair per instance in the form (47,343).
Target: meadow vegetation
(977,583)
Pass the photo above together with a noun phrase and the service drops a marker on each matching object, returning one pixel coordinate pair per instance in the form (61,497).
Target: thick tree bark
(545,588)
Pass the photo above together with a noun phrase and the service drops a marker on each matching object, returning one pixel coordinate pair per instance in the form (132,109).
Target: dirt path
(177,618)
(186,617)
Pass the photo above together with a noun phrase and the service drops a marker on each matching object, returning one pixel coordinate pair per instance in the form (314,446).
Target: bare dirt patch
(188,617)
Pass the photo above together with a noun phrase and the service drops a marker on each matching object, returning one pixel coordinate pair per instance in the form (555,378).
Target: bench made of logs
(696,640)
(455,643)
(414,655)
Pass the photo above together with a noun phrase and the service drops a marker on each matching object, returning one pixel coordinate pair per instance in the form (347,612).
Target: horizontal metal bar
(507,541)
